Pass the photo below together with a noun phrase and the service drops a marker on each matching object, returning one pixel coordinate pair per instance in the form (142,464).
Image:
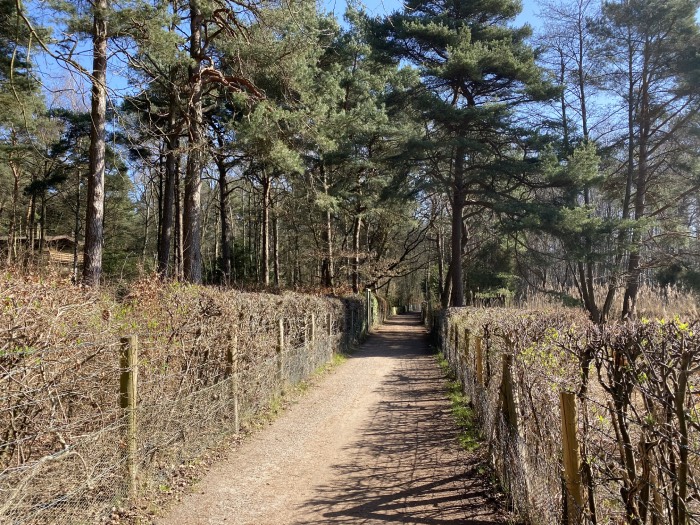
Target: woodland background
(442,155)
(439,153)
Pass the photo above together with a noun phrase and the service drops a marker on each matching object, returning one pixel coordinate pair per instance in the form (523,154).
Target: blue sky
(381,7)
(63,83)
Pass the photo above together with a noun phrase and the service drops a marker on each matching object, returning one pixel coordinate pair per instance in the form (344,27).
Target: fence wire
(636,387)
(208,362)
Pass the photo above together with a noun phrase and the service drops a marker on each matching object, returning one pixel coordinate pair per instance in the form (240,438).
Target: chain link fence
(584,423)
(89,421)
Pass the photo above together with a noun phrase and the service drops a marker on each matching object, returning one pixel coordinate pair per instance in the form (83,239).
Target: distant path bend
(373,443)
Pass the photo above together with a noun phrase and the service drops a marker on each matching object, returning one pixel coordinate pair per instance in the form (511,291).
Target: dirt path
(373,443)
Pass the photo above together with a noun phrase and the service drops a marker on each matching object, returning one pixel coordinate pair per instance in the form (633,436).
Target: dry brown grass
(652,302)
(629,381)
(62,433)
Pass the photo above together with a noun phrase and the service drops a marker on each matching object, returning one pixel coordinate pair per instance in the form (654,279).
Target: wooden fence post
(479,360)
(369,309)
(509,406)
(128,363)
(571,459)
(233,374)
(508,402)
(313,330)
(280,351)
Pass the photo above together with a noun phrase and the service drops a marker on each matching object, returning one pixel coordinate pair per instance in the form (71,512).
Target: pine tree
(21,107)
(366,176)
(94,219)
(476,69)
(207,20)
(651,50)
(263,133)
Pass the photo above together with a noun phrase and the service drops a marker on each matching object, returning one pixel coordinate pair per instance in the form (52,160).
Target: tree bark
(298,278)
(31,226)
(244,239)
(265,230)
(225,259)
(447,288)
(458,203)
(76,230)
(564,121)
(327,270)
(356,234)
(147,225)
(171,173)
(588,272)
(634,269)
(192,249)
(42,226)
(276,249)
(178,225)
(94,216)
(440,261)
(12,230)
(627,199)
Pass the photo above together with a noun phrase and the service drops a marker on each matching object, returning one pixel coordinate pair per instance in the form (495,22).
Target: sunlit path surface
(373,443)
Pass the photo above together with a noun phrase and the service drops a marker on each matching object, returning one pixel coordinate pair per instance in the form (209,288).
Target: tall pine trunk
(627,199)
(458,203)
(167,222)
(31,227)
(440,260)
(225,258)
(147,221)
(12,230)
(192,249)
(276,249)
(76,229)
(634,269)
(356,234)
(327,270)
(179,257)
(94,213)
(265,234)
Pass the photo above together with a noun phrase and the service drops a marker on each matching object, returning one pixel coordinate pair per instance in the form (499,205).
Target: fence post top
(129,339)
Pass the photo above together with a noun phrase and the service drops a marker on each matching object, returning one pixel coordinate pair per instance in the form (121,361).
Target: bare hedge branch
(636,385)
(62,431)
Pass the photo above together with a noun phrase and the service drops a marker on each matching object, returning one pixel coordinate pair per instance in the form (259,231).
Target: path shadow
(410,319)
(390,339)
(407,466)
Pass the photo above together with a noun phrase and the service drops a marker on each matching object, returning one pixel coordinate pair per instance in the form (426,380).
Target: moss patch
(469,435)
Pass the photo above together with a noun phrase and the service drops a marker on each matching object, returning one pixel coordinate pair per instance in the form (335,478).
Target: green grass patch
(338,359)
(290,394)
(469,436)
(302,386)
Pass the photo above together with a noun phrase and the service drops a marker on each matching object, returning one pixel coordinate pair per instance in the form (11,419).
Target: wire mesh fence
(88,421)
(584,423)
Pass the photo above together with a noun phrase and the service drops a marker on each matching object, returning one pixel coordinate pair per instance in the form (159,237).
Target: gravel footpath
(373,443)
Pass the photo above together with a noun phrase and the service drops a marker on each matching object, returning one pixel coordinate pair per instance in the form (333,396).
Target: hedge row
(636,447)
(207,360)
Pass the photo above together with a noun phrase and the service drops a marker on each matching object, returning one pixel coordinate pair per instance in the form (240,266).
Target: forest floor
(373,442)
